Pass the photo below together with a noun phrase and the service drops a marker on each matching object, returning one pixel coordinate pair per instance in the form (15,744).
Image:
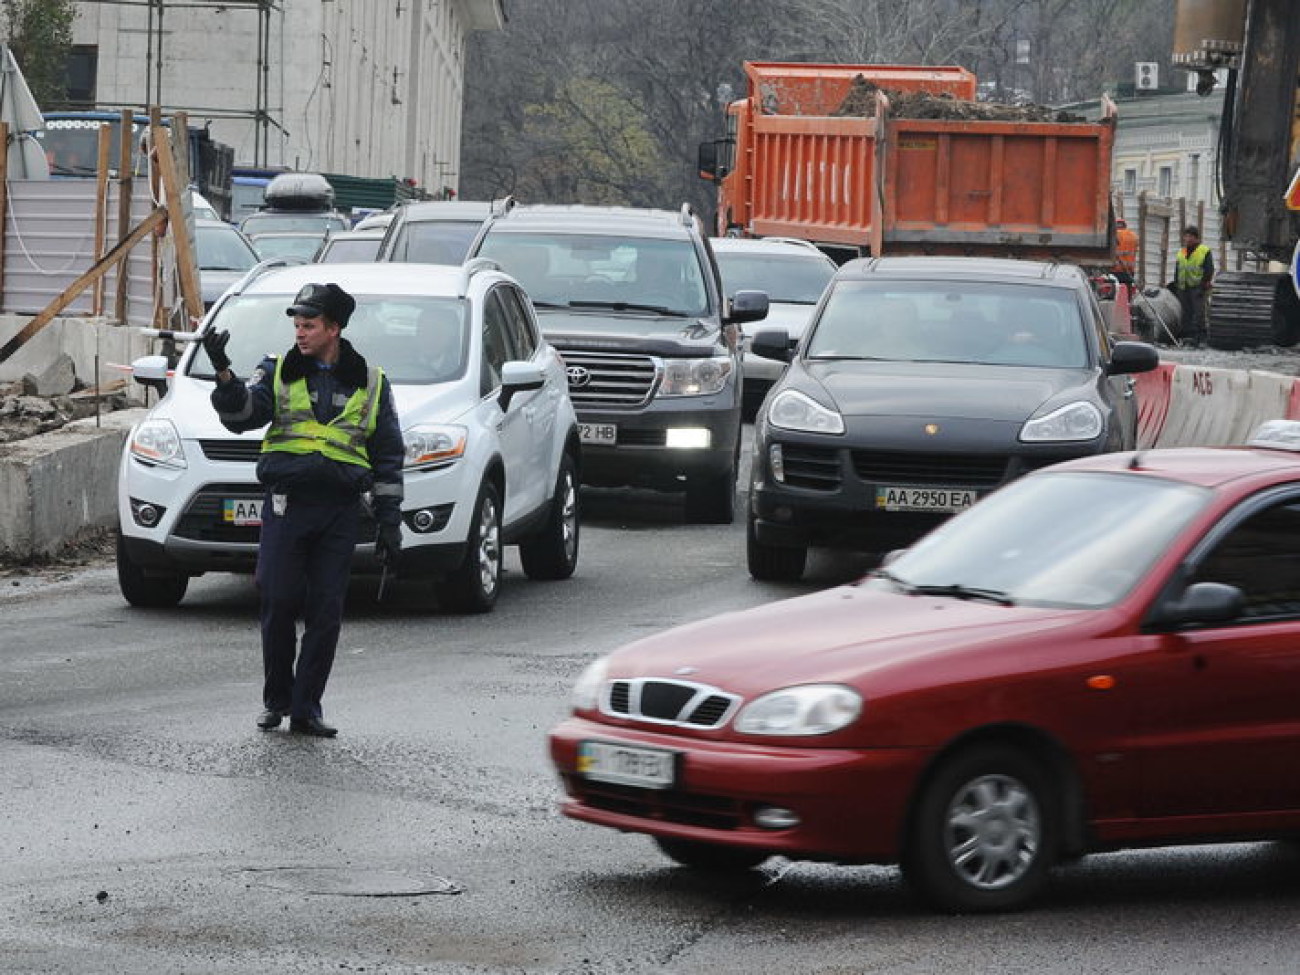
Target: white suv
(492,449)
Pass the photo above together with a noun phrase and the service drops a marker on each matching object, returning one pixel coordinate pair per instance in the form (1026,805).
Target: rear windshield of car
(223,249)
(940,321)
(303,247)
(415,339)
(435,241)
(600,272)
(265,223)
(350,251)
(788,278)
(1078,539)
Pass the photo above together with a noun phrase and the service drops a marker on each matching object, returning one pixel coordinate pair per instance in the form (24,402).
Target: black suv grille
(607,380)
(670,702)
(886,467)
(815,468)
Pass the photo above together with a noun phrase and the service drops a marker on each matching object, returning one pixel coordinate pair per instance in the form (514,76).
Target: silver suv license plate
(646,768)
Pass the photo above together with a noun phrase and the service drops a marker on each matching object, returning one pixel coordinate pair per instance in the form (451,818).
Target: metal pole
(159,54)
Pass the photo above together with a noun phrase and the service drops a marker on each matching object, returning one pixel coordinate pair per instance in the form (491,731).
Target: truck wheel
(151,590)
(710,856)
(770,563)
(712,500)
(473,586)
(984,832)
(553,552)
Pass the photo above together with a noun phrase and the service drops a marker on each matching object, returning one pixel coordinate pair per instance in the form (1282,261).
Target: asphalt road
(149,828)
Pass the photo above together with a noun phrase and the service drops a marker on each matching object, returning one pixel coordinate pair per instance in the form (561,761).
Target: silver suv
(633,301)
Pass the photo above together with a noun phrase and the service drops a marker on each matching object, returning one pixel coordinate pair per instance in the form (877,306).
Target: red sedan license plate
(646,768)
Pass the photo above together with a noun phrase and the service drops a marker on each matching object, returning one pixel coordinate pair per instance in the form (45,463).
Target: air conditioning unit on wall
(1147,75)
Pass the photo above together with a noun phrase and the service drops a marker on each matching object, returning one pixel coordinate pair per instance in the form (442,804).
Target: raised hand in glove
(214,343)
(388,545)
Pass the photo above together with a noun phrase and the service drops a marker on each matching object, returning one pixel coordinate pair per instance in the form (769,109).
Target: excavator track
(1253,308)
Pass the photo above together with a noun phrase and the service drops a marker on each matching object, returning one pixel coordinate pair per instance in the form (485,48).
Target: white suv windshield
(415,339)
(602,272)
(1074,539)
(934,321)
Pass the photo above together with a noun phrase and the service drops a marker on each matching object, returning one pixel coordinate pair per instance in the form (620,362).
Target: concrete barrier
(56,485)
(91,342)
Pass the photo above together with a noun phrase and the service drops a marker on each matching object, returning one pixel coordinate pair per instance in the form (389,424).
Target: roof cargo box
(299,191)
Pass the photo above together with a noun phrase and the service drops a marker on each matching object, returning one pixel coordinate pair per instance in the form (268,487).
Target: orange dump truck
(840,155)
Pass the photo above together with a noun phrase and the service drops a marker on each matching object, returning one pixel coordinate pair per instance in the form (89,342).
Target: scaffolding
(260,113)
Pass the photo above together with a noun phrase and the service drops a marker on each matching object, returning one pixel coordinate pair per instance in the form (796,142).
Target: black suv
(922,384)
(633,301)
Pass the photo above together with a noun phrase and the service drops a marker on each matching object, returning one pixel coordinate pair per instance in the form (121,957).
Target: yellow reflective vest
(1191,267)
(296,430)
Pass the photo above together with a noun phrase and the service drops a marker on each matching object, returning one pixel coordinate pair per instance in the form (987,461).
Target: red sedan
(1102,654)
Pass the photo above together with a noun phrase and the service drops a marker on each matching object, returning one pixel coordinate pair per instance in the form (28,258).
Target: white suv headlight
(434,444)
(157,442)
(793,410)
(695,377)
(809,709)
(1076,421)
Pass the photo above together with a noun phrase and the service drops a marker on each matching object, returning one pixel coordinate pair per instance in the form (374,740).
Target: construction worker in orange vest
(1126,251)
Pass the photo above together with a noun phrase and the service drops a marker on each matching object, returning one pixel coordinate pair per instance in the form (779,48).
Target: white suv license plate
(646,768)
(241,511)
(895,498)
(603,433)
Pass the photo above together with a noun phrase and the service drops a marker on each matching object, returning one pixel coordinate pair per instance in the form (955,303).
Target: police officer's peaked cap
(323,299)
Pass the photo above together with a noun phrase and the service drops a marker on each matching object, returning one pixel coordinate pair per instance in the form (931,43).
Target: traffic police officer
(333,437)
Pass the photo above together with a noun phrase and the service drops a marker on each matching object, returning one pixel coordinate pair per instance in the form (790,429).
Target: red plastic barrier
(1153,392)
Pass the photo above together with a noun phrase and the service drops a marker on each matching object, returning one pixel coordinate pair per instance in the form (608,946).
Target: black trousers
(1192,301)
(303,567)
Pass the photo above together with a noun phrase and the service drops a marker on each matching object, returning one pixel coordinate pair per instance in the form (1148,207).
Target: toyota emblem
(579,376)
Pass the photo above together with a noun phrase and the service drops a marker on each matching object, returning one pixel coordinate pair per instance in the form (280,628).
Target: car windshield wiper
(630,306)
(549,304)
(958,591)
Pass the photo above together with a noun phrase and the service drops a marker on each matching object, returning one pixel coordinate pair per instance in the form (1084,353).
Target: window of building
(82,70)
(1165,181)
(1130,182)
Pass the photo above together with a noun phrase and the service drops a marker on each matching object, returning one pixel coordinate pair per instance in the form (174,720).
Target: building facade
(364,87)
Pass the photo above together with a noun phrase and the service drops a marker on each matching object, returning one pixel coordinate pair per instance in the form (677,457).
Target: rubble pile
(861,100)
(48,400)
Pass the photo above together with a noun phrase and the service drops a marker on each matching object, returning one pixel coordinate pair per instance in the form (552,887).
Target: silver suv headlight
(793,410)
(808,709)
(434,444)
(695,377)
(157,442)
(1075,421)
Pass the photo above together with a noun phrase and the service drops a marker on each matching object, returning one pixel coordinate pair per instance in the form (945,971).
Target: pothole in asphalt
(349,882)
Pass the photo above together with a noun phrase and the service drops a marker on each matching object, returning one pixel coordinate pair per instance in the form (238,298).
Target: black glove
(388,545)
(214,343)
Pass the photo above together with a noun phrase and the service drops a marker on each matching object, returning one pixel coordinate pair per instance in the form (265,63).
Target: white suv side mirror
(518,377)
(151,371)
